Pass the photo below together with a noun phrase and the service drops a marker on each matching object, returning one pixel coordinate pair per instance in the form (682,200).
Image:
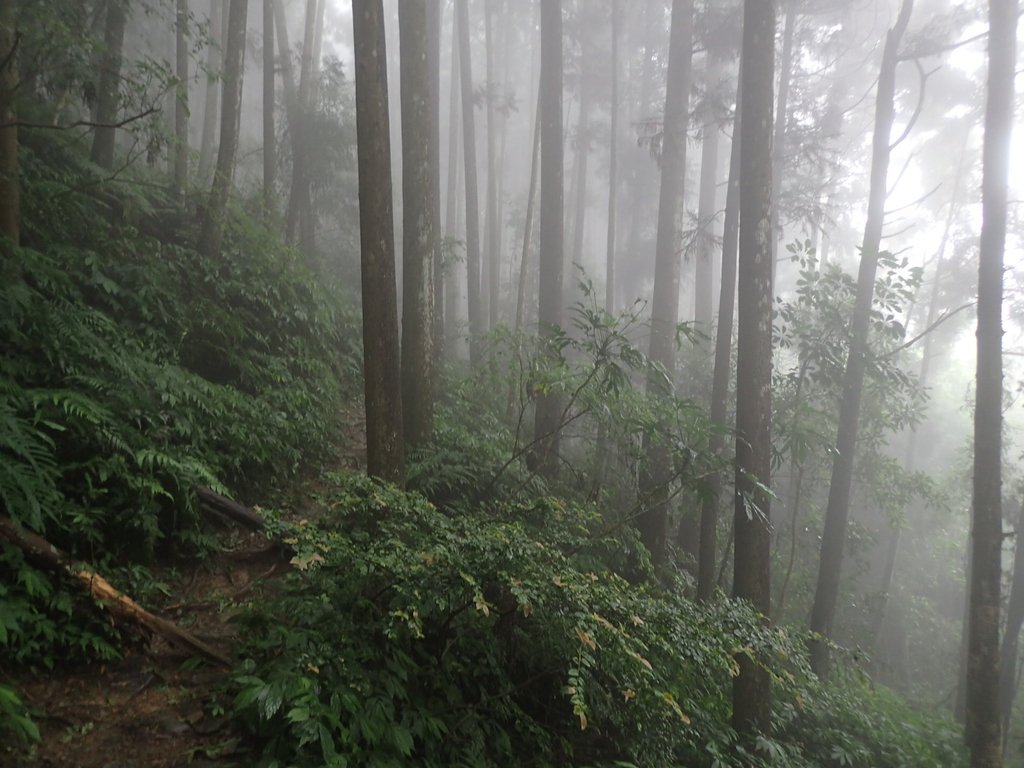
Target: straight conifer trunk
(983,726)
(10,190)
(385,452)
(419,192)
(108,100)
(751,692)
(211,105)
(613,167)
(300,222)
(837,512)
(476,318)
(269,139)
(181,103)
(549,313)
(212,232)
(657,474)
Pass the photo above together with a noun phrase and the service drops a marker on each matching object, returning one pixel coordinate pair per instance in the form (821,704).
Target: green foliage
(133,370)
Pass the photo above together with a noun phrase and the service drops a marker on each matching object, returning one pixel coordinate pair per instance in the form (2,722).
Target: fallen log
(44,554)
(231,509)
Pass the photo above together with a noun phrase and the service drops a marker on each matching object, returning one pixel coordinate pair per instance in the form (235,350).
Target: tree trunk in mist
(580,184)
(1011,635)
(269,139)
(300,221)
(706,577)
(547,424)
(420,239)
(751,693)
(657,474)
(476,320)
(318,45)
(781,115)
(837,512)
(10,189)
(491,225)
(108,101)
(451,278)
(983,726)
(613,168)
(211,105)
(212,232)
(434,161)
(385,452)
(181,103)
(703,309)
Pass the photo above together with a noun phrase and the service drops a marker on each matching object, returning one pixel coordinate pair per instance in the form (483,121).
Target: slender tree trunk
(108,101)
(703,290)
(657,475)
(318,44)
(269,139)
(837,511)
(547,425)
(781,116)
(613,168)
(531,194)
(582,158)
(451,279)
(434,161)
(476,319)
(300,219)
(385,451)
(1011,635)
(983,726)
(212,231)
(491,266)
(420,239)
(751,699)
(10,189)
(211,105)
(181,103)
(723,363)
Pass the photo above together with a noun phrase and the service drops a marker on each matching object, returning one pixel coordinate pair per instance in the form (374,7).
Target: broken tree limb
(44,554)
(232,509)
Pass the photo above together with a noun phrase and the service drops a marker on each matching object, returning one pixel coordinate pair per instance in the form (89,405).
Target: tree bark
(476,319)
(436,260)
(983,726)
(613,167)
(491,225)
(703,311)
(451,279)
(657,474)
(181,103)
(108,101)
(837,511)
(706,578)
(1011,634)
(547,426)
(212,232)
(385,451)
(269,138)
(211,105)
(300,221)
(751,700)
(10,188)
(781,116)
(419,192)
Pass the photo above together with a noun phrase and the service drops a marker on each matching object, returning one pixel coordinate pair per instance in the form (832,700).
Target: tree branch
(81,123)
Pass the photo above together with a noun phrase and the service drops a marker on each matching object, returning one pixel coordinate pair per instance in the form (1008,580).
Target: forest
(596,383)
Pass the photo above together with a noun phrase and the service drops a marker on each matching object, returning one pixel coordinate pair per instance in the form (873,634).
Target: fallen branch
(44,554)
(241,514)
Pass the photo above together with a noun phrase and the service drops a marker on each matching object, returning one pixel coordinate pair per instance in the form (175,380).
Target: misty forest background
(582,431)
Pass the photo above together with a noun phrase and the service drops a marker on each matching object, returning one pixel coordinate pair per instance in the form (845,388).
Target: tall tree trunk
(108,101)
(300,221)
(837,511)
(211,105)
(269,139)
(419,191)
(547,424)
(437,262)
(1011,634)
(781,116)
(491,226)
(451,230)
(751,692)
(613,167)
(531,194)
(703,312)
(212,231)
(476,319)
(181,103)
(657,474)
(706,577)
(10,189)
(581,162)
(982,732)
(385,451)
